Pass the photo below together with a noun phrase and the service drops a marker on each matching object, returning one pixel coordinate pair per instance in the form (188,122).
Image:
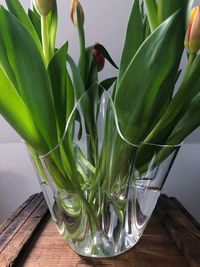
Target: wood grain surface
(8,221)
(160,246)
(16,231)
(155,248)
(182,228)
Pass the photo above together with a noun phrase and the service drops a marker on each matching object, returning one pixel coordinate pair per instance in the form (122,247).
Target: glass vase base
(115,236)
(100,247)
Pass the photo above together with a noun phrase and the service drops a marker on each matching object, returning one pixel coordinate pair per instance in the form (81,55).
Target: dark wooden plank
(23,236)
(187,214)
(17,235)
(9,220)
(17,223)
(182,230)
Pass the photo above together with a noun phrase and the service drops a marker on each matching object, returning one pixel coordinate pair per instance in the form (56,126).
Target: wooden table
(30,239)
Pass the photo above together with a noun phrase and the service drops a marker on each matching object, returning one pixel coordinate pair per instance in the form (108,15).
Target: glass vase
(101,189)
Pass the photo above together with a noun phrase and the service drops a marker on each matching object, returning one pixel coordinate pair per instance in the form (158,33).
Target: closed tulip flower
(43,7)
(192,38)
(73,12)
(99,59)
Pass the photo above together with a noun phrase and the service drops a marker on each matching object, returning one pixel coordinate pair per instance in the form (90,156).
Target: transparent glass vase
(101,189)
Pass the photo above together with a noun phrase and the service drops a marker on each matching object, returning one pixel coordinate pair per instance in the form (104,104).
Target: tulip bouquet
(55,104)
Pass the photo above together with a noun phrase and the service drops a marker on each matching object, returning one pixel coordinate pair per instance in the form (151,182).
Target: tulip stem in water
(45,42)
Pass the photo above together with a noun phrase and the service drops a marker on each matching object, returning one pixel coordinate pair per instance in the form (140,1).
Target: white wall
(17,178)
(105,22)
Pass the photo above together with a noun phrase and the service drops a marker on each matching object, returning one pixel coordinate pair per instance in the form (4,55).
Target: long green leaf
(81,35)
(93,94)
(147,82)
(107,83)
(16,9)
(57,73)
(188,122)
(77,79)
(167,8)
(134,38)
(67,153)
(85,102)
(17,114)
(178,106)
(52,21)
(70,95)
(5,64)
(88,62)
(151,8)
(80,91)
(35,20)
(177,128)
(102,50)
(31,76)
(179,120)
(64,95)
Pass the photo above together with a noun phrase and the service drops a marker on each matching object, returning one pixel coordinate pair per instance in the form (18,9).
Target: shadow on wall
(14,190)
(184,179)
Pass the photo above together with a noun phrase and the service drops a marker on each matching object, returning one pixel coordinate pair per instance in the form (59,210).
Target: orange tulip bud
(73,12)
(99,59)
(43,7)
(192,38)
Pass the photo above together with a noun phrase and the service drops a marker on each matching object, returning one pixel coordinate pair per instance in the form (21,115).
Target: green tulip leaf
(167,8)
(147,83)
(189,121)
(58,73)
(88,62)
(81,35)
(94,92)
(179,105)
(19,117)
(134,38)
(16,9)
(176,130)
(5,65)
(78,119)
(70,95)
(93,75)
(52,21)
(77,79)
(101,49)
(35,20)
(63,95)
(151,8)
(32,80)
(107,83)
(79,92)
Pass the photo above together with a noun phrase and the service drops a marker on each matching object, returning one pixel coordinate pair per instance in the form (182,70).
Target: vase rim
(116,122)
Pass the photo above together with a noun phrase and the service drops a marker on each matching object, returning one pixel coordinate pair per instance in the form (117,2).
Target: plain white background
(105,22)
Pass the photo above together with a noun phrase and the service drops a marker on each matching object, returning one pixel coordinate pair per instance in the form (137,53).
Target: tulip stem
(81,35)
(151,9)
(45,42)
(190,61)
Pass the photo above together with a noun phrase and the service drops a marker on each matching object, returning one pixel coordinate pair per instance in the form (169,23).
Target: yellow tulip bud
(192,38)
(43,7)
(73,12)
